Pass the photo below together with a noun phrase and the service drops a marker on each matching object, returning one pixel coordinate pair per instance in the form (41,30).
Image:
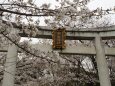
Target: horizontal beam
(68,50)
(3,49)
(96,29)
(107,32)
(75,50)
(75,35)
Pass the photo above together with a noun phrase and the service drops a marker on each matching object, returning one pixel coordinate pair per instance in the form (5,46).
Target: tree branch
(25,14)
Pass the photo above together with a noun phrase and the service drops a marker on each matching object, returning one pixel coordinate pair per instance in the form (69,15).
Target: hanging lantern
(59,36)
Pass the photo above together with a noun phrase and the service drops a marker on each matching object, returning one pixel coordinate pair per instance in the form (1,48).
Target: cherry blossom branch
(25,14)
(14,42)
(36,8)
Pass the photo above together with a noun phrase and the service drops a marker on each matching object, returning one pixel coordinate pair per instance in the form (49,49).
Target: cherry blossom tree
(49,68)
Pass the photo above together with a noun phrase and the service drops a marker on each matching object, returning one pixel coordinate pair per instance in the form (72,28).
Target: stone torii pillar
(10,66)
(103,70)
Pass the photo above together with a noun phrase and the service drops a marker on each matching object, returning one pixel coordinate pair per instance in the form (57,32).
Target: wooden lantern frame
(59,36)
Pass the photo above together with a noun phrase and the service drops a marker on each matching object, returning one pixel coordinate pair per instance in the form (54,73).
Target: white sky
(92,5)
(105,4)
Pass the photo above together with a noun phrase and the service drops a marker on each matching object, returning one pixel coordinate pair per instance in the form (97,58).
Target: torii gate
(88,34)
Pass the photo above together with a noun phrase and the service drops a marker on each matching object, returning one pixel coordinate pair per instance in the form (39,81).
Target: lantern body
(59,37)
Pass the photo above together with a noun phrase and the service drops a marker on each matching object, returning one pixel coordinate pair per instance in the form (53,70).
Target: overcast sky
(101,3)
(92,5)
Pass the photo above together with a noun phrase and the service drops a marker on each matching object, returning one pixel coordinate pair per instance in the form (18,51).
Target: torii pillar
(10,66)
(103,70)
